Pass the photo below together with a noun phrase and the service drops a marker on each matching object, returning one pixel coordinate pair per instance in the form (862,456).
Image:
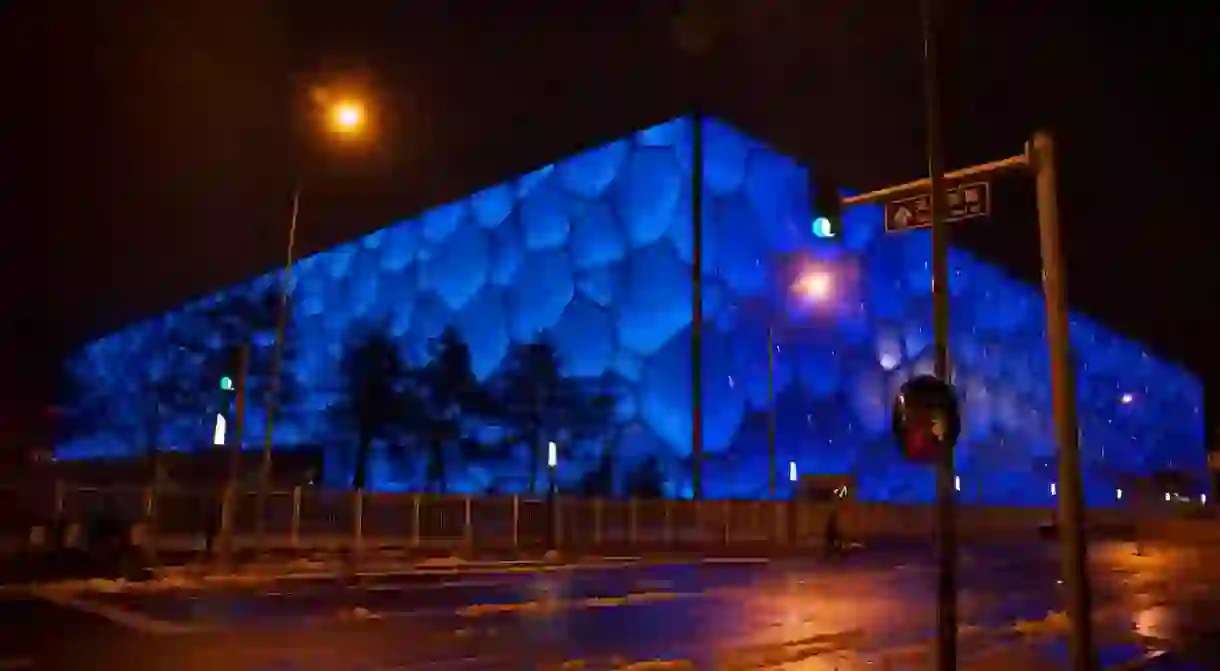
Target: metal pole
(1063,396)
(230,493)
(696,327)
(771,417)
(294,530)
(597,522)
(946,583)
(552,533)
(277,357)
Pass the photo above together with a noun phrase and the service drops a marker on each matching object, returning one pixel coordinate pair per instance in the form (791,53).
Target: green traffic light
(827,207)
(226,383)
(824,228)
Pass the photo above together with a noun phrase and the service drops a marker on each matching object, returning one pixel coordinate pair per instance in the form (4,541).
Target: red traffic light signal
(927,419)
(920,445)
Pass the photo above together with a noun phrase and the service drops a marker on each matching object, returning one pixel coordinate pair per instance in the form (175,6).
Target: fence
(175,519)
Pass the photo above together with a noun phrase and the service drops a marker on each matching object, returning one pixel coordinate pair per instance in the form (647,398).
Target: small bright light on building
(226,383)
(1118,494)
(1167,496)
(889,361)
(792,471)
(1203,499)
(1054,490)
(552,454)
(1126,398)
(957,482)
(218,433)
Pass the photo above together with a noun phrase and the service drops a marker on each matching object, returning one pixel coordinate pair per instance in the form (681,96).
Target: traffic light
(827,223)
(232,366)
(927,419)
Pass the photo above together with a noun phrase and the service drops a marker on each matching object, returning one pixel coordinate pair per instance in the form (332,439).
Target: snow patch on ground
(442,562)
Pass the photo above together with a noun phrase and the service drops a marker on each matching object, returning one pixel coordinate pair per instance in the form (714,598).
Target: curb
(161,577)
(1139,662)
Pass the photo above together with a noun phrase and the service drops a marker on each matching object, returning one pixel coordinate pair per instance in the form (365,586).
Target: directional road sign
(966,201)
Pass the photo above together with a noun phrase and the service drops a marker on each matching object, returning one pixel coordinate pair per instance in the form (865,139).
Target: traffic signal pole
(229,502)
(946,518)
(946,515)
(1038,159)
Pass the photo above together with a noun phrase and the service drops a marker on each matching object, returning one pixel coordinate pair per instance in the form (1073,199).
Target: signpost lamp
(552,507)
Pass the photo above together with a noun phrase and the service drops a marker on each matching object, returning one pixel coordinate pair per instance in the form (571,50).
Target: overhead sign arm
(980,171)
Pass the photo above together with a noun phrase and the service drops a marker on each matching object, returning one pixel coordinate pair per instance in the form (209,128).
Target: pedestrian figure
(832,541)
(212,513)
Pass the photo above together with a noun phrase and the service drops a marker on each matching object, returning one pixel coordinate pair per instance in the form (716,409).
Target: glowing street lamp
(347,117)
(814,285)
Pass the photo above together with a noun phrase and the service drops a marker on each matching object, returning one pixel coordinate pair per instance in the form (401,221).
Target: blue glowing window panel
(595,252)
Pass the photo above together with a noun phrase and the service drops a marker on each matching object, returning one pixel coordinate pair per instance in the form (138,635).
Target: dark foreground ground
(806,614)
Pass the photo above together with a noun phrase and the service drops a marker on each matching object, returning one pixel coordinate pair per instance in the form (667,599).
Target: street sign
(966,201)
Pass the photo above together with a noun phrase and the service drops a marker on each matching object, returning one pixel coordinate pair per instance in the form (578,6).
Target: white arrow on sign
(903,217)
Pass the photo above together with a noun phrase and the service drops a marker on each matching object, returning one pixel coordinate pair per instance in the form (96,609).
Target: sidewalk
(1112,655)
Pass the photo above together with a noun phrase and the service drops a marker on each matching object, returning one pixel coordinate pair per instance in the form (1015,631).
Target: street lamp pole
(695,35)
(345,117)
(277,358)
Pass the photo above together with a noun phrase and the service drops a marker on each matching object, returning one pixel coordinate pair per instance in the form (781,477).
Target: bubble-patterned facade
(596,250)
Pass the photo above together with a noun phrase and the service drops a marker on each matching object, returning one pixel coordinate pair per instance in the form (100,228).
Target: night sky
(148,149)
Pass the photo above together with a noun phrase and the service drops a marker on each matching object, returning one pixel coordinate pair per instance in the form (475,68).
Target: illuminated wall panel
(596,251)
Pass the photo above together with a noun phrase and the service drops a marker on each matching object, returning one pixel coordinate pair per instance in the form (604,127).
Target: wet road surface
(798,614)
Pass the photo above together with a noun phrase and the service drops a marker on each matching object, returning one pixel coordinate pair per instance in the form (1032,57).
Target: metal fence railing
(310,518)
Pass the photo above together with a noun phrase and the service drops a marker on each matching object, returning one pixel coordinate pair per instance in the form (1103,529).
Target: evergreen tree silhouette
(375,401)
(447,393)
(539,404)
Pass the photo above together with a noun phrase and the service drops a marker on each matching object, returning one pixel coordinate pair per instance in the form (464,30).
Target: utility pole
(1039,158)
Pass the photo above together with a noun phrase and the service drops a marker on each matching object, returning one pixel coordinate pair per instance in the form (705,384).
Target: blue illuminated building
(595,251)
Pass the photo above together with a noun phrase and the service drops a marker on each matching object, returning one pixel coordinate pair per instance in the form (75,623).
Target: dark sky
(148,148)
